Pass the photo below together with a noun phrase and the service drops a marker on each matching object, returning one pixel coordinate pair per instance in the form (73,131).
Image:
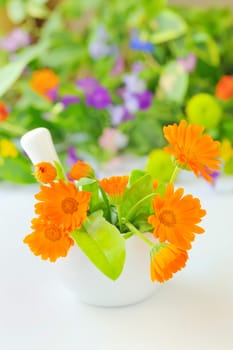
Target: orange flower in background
(166,259)
(224,88)
(62,203)
(114,185)
(43,81)
(45,172)
(48,240)
(198,152)
(176,217)
(81,169)
(3,112)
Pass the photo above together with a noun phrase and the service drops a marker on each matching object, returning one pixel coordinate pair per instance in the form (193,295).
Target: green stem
(174,174)
(137,205)
(106,201)
(119,216)
(61,175)
(133,229)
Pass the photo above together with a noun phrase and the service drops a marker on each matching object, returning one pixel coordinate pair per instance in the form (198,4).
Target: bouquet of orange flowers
(99,215)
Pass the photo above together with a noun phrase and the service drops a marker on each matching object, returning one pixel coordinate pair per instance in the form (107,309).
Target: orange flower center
(53,233)
(69,205)
(167,218)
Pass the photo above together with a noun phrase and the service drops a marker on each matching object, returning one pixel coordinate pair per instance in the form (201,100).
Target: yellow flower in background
(226,150)
(8,149)
(203,109)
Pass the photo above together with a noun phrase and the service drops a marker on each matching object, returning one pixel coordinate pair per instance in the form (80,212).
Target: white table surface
(193,311)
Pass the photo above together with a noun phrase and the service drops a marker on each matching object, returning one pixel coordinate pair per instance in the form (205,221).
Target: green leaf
(91,185)
(173,83)
(206,48)
(16,170)
(169,26)
(140,189)
(11,72)
(135,175)
(227,130)
(85,181)
(103,244)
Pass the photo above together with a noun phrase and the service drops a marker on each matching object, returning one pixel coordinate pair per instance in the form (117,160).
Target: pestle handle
(39,146)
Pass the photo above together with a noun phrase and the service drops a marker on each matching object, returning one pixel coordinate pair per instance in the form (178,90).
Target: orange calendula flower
(166,259)
(43,81)
(45,172)
(176,217)
(224,88)
(198,152)
(114,185)
(48,240)
(62,203)
(3,112)
(81,169)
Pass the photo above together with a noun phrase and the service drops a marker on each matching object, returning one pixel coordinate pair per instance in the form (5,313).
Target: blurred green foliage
(61,42)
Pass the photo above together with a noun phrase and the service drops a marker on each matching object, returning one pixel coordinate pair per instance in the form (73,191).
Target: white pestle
(39,146)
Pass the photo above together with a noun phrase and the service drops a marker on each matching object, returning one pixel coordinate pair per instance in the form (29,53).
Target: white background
(193,311)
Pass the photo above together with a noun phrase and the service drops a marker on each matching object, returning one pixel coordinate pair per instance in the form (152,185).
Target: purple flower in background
(96,95)
(131,102)
(215,175)
(15,40)
(127,116)
(118,67)
(52,94)
(67,100)
(100,50)
(133,83)
(188,63)
(138,45)
(116,113)
(144,99)
(87,84)
(137,67)
(99,98)
(102,34)
(72,156)
(100,46)
(119,114)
